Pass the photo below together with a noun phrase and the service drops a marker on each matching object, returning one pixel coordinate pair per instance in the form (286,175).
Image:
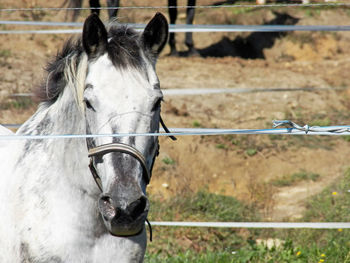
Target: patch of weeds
(275,137)
(221,146)
(346,138)
(38,14)
(251,152)
(321,122)
(288,180)
(18,103)
(235,141)
(196,124)
(312,142)
(200,206)
(168,161)
(312,12)
(295,115)
(241,143)
(22,103)
(5,53)
(332,203)
(191,256)
(261,195)
(239,11)
(226,245)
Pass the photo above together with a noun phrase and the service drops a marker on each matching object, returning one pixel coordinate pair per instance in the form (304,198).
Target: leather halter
(123,148)
(116,147)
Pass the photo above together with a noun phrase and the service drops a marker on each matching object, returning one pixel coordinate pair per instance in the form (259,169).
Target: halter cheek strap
(166,129)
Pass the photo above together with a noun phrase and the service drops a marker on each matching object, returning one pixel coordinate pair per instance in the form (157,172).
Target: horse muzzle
(126,220)
(123,214)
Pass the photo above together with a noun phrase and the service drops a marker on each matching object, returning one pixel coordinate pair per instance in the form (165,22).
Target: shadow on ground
(252,46)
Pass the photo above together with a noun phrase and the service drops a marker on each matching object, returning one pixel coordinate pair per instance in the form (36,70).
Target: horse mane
(69,66)
(65,68)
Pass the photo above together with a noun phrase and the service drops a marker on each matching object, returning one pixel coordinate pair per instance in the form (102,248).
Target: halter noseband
(123,148)
(116,147)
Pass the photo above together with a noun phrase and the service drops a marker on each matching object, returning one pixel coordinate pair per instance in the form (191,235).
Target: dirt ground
(241,166)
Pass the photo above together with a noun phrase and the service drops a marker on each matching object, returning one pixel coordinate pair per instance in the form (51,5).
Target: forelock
(125,47)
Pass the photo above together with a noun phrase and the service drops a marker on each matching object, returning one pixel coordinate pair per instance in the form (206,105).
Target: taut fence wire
(180,7)
(282,225)
(293,129)
(208,91)
(190,28)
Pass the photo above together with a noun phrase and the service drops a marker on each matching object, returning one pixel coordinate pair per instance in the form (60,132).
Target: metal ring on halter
(116,147)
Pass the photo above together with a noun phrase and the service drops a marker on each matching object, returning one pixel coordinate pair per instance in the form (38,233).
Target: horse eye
(88,104)
(156,106)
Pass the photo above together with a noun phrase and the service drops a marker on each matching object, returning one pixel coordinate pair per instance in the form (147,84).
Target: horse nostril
(136,208)
(106,207)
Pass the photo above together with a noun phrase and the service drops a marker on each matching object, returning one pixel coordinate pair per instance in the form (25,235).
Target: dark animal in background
(189,20)
(95,5)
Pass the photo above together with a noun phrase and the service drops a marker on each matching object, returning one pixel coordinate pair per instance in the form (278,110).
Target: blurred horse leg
(173,17)
(189,21)
(112,12)
(95,5)
(73,14)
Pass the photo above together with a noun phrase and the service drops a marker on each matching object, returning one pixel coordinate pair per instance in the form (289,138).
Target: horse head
(122,95)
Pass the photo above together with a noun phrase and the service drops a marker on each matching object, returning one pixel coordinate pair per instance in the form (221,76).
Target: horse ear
(155,34)
(94,36)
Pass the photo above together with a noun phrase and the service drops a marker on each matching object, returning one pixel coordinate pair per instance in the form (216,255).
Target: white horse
(51,210)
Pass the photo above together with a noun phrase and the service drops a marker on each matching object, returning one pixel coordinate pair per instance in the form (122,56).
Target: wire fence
(295,5)
(281,225)
(179,28)
(292,128)
(209,90)
(199,29)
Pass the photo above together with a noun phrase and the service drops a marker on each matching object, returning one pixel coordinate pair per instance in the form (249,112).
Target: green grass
(239,11)
(321,122)
(288,180)
(196,124)
(290,251)
(331,205)
(228,245)
(168,161)
(201,206)
(172,244)
(191,256)
(251,152)
(18,103)
(275,137)
(221,146)
(5,53)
